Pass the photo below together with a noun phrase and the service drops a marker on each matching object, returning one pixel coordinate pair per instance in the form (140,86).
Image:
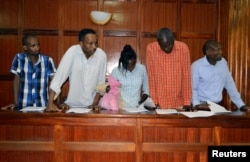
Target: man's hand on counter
(94,107)
(9,107)
(204,107)
(245,108)
(53,108)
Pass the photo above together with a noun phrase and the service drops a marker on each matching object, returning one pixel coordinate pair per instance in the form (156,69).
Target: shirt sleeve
(151,71)
(186,75)
(232,90)
(195,84)
(63,71)
(145,81)
(15,69)
(103,70)
(52,68)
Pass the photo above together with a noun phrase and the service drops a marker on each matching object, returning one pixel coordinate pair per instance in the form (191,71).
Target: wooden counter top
(112,136)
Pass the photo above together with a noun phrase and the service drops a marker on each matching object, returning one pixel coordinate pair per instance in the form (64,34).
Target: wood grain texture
(134,22)
(116,136)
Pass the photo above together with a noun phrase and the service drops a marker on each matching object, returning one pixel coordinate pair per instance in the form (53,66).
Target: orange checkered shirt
(169,75)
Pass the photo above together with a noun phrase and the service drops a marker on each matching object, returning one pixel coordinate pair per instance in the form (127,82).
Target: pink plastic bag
(110,100)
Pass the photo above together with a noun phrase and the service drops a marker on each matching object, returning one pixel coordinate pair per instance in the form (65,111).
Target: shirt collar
(38,60)
(205,61)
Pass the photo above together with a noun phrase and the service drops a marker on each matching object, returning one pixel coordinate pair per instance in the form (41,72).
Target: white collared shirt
(84,75)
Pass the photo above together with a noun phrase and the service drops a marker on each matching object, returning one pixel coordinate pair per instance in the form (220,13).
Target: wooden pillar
(58,138)
(238,46)
(217,136)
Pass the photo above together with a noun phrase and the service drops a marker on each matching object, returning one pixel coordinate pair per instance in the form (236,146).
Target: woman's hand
(143,98)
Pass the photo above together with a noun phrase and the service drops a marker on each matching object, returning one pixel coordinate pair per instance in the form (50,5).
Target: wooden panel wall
(239,46)
(134,22)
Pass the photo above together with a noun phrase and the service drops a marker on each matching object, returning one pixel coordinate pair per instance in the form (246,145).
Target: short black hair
(165,33)
(26,37)
(209,44)
(84,32)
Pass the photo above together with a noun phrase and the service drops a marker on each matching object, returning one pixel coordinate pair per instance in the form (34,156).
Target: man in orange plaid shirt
(168,64)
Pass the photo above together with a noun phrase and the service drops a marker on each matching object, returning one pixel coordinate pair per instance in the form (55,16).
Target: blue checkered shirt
(34,79)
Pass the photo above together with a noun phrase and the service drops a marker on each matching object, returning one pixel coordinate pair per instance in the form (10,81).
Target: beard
(219,58)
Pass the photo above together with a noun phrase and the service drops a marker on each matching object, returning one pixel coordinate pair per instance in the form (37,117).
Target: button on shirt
(132,83)
(208,82)
(84,75)
(33,88)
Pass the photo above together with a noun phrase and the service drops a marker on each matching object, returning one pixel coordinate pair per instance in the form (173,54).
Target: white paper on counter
(31,108)
(217,109)
(136,110)
(166,111)
(196,114)
(79,110)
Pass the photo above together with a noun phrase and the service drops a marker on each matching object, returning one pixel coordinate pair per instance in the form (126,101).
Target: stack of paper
(140,108)
(198,114)
(136,110)
(30,108)
(215,109)
(166,111)
(79,110)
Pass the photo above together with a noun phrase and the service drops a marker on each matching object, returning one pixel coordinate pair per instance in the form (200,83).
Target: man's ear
(25,47)
(207,51)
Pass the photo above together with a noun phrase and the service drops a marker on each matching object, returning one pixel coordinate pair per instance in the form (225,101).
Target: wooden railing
(116,136)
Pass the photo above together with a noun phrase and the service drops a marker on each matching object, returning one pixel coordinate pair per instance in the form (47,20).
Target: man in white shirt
(85,65)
